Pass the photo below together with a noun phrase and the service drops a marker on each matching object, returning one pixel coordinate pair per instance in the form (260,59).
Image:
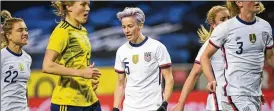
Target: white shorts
(213,102)
(242,103)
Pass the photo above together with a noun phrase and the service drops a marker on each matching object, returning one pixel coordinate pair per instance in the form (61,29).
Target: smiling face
(130,28)
(18,34)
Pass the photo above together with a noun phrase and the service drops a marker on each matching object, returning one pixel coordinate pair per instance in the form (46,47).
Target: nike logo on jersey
(11,67)
(124,59)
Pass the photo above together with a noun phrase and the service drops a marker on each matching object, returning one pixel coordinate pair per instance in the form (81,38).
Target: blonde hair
(7,26)
(60,6)
(210,19)
(235,10)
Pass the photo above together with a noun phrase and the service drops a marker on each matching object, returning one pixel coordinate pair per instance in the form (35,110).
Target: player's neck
(73,22)
(247,16)
(15,48)
(139,39)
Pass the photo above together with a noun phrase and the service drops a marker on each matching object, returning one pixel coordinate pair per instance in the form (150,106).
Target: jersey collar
(73,26)
(140,44)
(244,22)
(13,53)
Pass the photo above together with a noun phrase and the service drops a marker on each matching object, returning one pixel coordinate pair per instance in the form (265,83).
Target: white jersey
(217,63)
(244,44)
(15,73)
(141,63)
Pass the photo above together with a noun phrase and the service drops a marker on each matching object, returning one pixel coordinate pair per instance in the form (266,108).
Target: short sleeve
(119,68)
(269,38)
(163,57)
(218,36)
(58,40)
(202,49)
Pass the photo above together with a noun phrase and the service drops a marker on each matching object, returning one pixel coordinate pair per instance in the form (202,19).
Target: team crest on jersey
(252,38)
(135,58)
(147,56)
(21,67)
(266,36)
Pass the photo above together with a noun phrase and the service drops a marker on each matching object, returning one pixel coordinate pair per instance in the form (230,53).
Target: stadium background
(173,23)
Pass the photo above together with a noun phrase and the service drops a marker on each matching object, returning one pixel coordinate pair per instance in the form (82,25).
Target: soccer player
(215,16)
(244,38)
(68,56)
(140,63)
(15,64)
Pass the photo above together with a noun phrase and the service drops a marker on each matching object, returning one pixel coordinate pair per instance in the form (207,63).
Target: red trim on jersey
(270,47)
(163,66)
(215,101)
(119,72)
(232,104)
(225,93)
(224,53)
(197,62)
(214,44)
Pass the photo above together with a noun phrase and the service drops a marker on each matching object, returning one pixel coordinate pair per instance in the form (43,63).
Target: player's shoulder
(26,55)
(61,27)
(4,52)
(262,21)
(123,47)
(154,42)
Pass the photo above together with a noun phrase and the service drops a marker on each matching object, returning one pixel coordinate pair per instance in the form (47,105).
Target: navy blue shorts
(94,107)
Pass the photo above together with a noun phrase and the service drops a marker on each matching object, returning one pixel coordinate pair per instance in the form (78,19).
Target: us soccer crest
(266,36)
(252,38)
(135,58)
(147,56)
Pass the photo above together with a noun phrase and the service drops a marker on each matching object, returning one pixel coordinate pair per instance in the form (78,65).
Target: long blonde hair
(211,15)
(60,6)
(235,10)
(7,26)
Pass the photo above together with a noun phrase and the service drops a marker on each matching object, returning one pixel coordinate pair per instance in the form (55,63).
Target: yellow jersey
(74,50)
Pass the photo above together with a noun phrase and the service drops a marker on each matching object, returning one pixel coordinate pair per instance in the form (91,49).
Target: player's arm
(189,85)
(119,91)
(169,82)
(164,61)
(57,44)
(216,40)
(270,57)
(270,48)
(120,86)
(205,62)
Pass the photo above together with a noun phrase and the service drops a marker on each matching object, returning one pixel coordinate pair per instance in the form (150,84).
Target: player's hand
(94,84)
(163,107)
(115,109)
(90,72)
(263,100)
(211,86)
(178,107)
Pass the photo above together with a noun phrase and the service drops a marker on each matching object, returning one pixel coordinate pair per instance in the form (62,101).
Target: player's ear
(141,25)
(68,8)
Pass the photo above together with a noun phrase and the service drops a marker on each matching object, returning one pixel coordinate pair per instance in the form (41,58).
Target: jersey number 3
(240,47)
(9,73)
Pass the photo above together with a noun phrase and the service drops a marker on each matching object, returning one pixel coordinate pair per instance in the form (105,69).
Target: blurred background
(174,23)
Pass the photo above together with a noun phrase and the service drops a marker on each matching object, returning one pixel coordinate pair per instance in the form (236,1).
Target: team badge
(147,56)
(21,67)
(135,58)
(252,38)
(266,36)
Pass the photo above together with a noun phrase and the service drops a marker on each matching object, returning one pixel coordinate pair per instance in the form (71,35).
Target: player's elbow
(204,58)
(46,67)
